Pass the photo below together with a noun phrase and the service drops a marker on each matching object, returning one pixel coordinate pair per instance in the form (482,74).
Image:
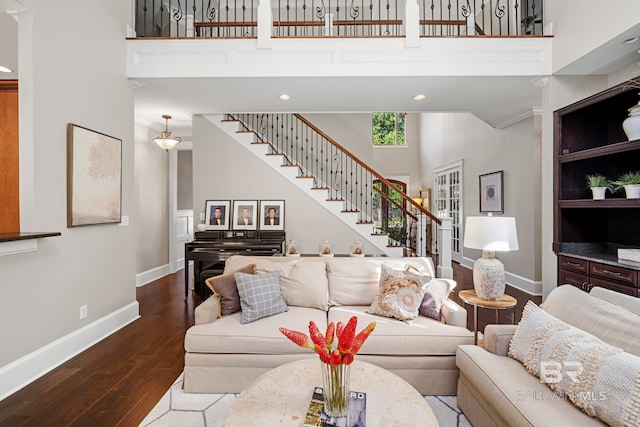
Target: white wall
(449,137)
(152,199)
(64,79)
(224,170)
(580,26)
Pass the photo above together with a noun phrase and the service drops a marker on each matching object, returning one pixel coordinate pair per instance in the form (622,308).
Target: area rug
(177,408)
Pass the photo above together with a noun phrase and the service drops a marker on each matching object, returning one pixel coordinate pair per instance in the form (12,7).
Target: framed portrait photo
(491,194)
(245,214)
(217,214)
(271,215)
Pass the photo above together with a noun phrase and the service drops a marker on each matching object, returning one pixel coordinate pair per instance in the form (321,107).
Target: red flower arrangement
(348,342)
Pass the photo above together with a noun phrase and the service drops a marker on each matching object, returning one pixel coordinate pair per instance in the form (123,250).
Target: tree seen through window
(388,128)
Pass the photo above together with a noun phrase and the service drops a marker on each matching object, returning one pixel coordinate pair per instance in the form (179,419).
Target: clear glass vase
(335,381)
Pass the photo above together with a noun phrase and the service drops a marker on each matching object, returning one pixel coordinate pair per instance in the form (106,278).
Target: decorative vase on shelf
(202,226)
(326,249)
(356,249)
(598,192)
(335,381)
(631,124)
(292,250)
(632,191)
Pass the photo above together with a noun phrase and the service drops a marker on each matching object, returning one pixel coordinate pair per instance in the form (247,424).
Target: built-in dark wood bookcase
(589,139)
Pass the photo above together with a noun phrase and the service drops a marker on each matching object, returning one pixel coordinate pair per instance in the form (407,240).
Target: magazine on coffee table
(356,417)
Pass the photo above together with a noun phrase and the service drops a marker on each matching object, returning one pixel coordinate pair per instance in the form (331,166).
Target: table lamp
(490,234)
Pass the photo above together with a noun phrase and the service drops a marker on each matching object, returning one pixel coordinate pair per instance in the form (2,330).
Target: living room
(92,89)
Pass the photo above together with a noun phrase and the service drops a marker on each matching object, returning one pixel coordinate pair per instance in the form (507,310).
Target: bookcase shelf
(589,139)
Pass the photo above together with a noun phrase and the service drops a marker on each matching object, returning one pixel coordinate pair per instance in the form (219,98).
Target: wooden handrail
(368,169)
(394,203)
(443,22)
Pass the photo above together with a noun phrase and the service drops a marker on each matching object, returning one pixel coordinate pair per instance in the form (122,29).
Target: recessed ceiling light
(5,69)
(284,97)
(419,97)
(630,40)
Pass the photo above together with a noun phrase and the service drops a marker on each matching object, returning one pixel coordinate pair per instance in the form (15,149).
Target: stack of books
(356,417)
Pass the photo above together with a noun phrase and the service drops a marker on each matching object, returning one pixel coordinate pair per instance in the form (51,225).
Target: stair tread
(260,143)
(350,210)
(320,188)
(306,176)
(335,200)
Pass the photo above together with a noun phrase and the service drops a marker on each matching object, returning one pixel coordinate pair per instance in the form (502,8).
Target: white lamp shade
(491,233)
(167,143)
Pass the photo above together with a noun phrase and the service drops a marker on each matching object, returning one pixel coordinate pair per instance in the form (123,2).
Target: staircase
(322,169)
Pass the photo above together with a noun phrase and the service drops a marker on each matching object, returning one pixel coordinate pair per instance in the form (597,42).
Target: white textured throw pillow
(600,379)
(259,296)
(400,294)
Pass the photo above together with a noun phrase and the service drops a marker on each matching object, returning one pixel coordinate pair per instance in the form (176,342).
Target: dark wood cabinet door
(570,278)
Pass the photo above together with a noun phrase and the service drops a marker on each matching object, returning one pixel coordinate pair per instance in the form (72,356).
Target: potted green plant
(599,185)
(630,181)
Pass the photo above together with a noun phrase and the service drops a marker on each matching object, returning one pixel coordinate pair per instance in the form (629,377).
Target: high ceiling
(497,100)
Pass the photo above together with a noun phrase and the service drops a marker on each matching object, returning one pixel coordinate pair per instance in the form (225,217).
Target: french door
(448,192)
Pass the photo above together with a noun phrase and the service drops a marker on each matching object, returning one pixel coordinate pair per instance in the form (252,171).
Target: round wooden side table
(507,302)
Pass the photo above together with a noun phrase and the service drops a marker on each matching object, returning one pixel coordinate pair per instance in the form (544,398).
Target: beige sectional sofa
(497,390)
(223,355)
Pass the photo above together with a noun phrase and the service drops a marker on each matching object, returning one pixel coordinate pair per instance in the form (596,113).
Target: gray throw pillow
(259,296)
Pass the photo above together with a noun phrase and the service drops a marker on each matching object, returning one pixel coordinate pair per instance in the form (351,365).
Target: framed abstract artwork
(245,214)
(491,194)
(271,215)
(94,177)
(217,214)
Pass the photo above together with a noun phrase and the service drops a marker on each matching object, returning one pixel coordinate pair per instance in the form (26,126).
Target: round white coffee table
(281,397)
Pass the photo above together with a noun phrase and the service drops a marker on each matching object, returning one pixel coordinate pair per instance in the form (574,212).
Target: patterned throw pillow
(400,294)
(600,379)
(259,296)
(436,294)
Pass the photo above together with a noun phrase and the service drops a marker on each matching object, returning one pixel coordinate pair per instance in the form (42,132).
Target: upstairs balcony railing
(337,18)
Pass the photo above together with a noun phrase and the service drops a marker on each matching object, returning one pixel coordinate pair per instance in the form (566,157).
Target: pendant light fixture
(167,141)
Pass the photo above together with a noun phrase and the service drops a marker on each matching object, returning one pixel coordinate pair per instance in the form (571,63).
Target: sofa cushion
(598,378)
(610,322)
(303,281)
(227,335)
(259,296)
(352,281)
(435,295)
(400,293)
(392,337)
(306,285)
(224,287)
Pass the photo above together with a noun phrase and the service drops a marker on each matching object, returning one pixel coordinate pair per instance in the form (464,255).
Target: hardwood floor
(119,380)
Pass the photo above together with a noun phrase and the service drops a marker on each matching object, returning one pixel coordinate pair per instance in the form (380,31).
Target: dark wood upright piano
(210,249)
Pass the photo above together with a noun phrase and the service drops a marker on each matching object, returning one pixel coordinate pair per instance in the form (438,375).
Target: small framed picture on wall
(272,215)
(217,214)
(491,195)
(245,214)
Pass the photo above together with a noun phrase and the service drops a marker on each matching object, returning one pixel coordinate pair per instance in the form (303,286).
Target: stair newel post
(444,249)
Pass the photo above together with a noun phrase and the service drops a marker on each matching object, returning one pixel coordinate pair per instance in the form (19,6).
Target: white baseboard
(23,371)
(529,286)
(156,273)
(151,275)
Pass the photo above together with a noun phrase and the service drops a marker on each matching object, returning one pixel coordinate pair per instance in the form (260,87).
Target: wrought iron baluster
(499,12)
